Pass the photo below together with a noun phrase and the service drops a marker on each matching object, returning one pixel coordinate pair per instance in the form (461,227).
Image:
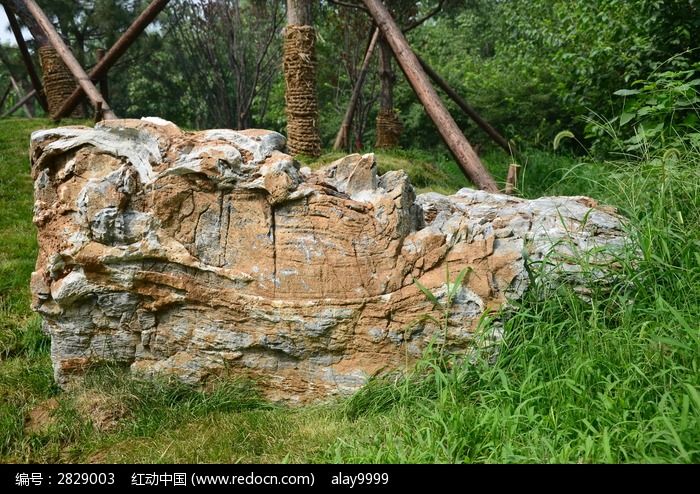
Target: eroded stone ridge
(212,252)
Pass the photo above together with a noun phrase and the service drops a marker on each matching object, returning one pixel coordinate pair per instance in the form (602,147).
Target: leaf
(678,316)
(694,138)
(564,134)
(672,343)
(459,280)
(686,103)
(650,131)
(693,394)
(428,294)
(626,92)
(457,284)
(626,117)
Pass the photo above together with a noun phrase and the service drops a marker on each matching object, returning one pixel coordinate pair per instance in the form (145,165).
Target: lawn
(612,379)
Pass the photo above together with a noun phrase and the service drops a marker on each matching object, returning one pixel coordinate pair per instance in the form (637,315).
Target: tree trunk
(300,80)
(389,125)
(450,132)
(299,12)
(104,80)
(20,10)
(58,81)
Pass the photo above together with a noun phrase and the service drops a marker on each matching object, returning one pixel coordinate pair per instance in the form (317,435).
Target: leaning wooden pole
(512,178)
(64,52)
(19,104)
(103,81)
(100,70)
(27,107)
(466,107)
(26,58)
(450,132)
(341,139)
(5,94)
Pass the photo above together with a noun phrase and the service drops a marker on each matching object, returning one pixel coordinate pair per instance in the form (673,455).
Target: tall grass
(611,379)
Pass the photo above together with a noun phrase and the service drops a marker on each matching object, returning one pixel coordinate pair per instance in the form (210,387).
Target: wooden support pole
(27,107)
(19,104)
(103,81)
(123,43)
(5,94)
(466,108)
(26,58)
(98,113)
(341,139)
(512,179)
(64,52)
(467,159)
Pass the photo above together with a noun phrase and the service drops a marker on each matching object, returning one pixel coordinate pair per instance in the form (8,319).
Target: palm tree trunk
(59,83)
(300,80)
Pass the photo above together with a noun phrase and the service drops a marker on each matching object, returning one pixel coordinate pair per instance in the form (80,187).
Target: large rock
(196,254)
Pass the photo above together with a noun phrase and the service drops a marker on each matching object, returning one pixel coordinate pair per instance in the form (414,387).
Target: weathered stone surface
(206,253)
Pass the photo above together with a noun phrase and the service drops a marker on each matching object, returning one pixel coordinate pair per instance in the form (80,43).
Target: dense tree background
(532,67)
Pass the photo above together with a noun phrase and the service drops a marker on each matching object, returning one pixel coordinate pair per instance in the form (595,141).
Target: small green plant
(445,307)
(661,112)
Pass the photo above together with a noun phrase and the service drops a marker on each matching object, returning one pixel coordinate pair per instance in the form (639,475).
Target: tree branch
(348,5)
(427,16)
(408,28)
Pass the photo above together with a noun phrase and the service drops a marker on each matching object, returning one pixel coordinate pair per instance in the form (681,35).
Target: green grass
(612,379)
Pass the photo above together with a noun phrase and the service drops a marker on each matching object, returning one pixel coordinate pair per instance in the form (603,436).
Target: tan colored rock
(197,254)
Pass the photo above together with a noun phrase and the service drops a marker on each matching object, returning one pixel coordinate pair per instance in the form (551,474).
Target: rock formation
(209,253)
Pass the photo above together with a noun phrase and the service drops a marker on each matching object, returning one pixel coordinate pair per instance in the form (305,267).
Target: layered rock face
(213,253)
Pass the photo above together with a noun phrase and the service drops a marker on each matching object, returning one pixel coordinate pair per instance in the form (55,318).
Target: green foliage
(661,112)
(445,305)
(11,65)
(535,68)
(532,68)
(613,378)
